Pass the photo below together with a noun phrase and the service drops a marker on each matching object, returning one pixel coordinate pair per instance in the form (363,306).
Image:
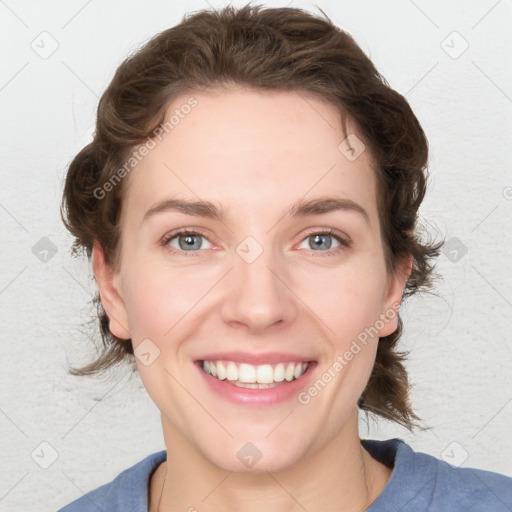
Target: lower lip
(249,396)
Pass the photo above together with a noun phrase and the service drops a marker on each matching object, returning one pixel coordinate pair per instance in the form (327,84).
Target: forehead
(250,150)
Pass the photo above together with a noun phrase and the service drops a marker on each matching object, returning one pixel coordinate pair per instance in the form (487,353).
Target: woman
(249,203)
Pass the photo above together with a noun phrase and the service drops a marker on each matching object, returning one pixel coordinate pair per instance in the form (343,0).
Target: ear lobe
(391,305)
(111,298)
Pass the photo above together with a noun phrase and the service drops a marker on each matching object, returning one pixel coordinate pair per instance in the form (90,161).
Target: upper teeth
(263,374)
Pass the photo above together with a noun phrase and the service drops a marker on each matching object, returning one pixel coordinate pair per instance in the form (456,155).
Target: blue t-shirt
(419,483)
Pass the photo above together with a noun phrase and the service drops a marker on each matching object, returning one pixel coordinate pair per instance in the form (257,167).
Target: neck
(341,476)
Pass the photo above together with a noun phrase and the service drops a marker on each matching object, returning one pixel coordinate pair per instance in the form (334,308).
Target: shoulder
(128,491)
(472,489)
(421,482)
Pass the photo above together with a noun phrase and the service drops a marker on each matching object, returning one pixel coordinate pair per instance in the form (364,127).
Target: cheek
(148,298)
(347,300)
(158,297)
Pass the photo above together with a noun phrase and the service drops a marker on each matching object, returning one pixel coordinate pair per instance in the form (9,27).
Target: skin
(255,154)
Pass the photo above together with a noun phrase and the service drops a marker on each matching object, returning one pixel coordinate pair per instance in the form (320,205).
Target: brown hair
(274,49)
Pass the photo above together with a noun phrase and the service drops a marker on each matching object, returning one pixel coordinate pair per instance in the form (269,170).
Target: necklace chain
(162,491)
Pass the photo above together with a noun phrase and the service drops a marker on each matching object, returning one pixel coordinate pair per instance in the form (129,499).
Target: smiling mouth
(264,376)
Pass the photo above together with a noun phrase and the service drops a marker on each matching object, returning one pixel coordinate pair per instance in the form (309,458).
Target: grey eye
(188,241)
(319,241)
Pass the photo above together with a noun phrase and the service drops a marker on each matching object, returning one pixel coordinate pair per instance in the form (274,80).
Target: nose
(258,295)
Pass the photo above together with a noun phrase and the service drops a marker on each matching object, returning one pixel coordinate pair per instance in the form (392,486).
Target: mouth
(245,375)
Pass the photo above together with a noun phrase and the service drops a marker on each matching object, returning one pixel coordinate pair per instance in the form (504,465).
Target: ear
(391,304)
(111,298)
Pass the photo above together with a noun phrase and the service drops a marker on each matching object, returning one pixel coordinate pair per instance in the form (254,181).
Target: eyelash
(344,243)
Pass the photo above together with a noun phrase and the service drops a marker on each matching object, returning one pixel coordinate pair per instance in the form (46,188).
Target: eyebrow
(301,208)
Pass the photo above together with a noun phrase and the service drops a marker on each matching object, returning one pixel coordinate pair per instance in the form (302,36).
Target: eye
(185,241)
(319,240)
(191,241)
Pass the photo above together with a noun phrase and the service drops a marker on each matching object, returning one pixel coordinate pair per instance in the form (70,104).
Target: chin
(258,456)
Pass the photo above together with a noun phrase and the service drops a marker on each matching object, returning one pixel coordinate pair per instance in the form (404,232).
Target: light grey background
(460,363)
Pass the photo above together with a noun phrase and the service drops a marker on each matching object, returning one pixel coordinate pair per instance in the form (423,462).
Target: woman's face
(270,283)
